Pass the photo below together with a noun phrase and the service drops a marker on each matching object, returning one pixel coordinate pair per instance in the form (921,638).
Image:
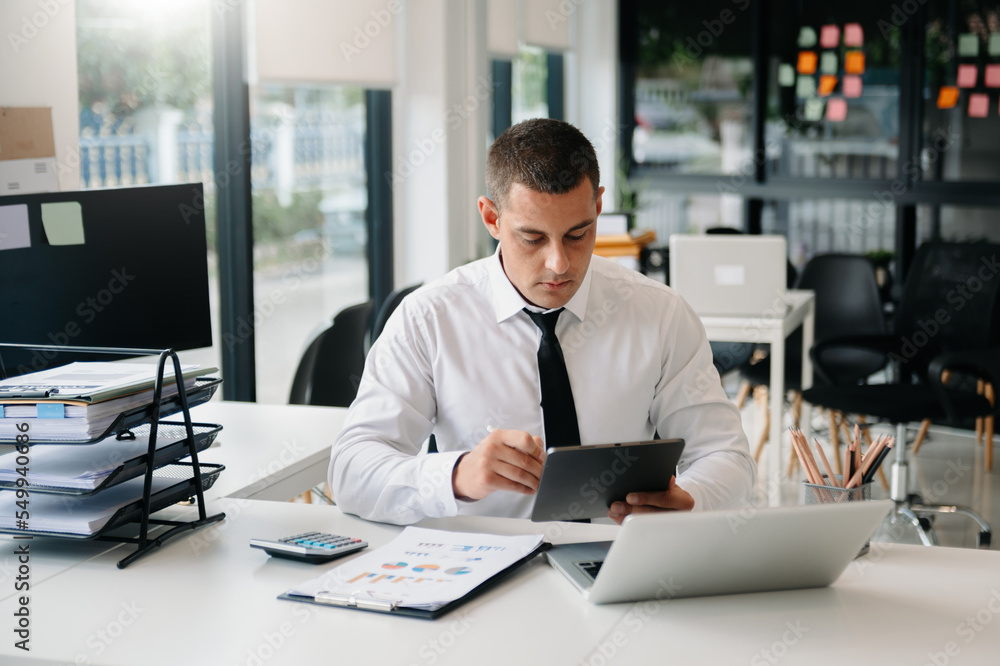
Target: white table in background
(773,330)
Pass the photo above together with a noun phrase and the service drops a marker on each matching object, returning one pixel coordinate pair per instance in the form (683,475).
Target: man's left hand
(674,498)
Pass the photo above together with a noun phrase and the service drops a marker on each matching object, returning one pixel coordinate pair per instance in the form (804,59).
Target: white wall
(38,68)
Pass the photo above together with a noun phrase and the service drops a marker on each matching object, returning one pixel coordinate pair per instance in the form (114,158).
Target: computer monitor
(123,267)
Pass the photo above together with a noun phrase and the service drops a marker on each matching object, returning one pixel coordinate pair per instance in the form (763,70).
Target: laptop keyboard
(590,568)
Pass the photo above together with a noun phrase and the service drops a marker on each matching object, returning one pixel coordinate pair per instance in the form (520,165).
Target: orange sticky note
(979,105)
(852,85)
(829,36)
(827,84)
(947,97)
(967,75)
(854,62)
(836,110)
(807,62)
(854,35)
(992,76)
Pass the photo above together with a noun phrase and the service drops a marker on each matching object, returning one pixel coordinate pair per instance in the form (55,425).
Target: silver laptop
(675,555)
(732,275)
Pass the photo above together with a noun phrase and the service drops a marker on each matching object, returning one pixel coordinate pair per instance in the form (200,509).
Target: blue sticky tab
(51,410)
(1,411)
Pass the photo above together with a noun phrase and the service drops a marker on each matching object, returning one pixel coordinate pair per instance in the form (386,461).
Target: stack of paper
(422,568)
(80,401)
(79,467)
(65,514)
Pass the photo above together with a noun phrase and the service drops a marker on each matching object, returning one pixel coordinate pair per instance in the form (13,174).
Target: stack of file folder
(80,401)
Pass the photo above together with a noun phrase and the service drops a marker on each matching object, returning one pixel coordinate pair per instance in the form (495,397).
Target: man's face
(546,240)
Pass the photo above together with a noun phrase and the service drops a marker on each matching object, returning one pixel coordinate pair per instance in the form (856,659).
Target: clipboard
(390,607)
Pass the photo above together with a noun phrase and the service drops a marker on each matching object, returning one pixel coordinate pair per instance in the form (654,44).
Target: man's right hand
(504,460)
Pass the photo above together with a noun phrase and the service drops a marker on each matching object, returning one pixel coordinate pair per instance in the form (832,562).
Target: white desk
(273,452)
(210,599)
(774,330)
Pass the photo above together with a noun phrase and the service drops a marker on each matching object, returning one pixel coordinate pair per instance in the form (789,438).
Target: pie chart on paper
(421,568)
(397,565)
(458,571)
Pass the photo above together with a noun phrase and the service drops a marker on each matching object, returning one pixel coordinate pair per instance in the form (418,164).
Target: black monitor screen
(108,268)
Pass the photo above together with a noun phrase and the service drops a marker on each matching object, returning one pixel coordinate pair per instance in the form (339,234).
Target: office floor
(949,469)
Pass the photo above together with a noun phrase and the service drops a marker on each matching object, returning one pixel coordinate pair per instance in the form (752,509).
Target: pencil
(808,459)
(859,475)
(797,445)
(826,465)
(878,461)
(857,448)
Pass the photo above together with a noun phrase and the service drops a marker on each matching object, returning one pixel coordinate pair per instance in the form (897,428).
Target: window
(529,94)
(310,241)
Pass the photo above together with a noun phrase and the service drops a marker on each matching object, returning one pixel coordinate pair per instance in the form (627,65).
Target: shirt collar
(507,302)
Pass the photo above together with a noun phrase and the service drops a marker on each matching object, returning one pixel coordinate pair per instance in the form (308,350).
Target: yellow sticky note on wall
(63,222)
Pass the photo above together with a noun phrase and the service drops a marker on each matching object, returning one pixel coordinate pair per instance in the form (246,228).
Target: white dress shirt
(458,357)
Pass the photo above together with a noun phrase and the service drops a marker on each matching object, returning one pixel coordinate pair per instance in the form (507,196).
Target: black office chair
(946,335)
(329,372)
(847,303)
(388,307)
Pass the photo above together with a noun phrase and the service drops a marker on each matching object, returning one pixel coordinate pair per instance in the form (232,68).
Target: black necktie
(558,409)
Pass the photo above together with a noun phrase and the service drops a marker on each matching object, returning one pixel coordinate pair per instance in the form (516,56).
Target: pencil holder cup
(814,493)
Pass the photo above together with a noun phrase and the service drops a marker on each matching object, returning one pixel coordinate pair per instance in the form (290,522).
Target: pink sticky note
(979,105)
(852,86)
(829,36)
(992,76)
(967,75)
(836,110)
(854,35)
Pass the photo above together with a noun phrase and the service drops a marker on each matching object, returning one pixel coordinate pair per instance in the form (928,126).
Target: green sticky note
(63,222)
(813,109)
(968,45)
(807,37)
(828,62)
(806,87)
(993,47)
(786,75)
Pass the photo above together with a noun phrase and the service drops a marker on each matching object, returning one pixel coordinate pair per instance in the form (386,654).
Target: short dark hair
(542,154)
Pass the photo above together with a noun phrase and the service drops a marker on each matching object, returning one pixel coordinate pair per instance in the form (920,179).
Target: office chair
(330,369)
(847,303)
(389,306)
(947,329)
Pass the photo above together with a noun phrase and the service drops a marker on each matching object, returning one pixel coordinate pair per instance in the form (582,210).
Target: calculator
(312,547)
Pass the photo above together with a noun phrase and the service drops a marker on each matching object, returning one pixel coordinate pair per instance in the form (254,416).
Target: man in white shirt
(458,359)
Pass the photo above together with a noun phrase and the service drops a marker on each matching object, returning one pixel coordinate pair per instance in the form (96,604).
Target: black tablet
(582,481)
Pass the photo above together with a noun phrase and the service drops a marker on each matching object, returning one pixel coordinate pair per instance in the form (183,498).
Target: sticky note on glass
(807,37)
(63,222)
(968,45)
(979,105)
(14,231)
(967,75)
(813,110)
(852,85)
(836,110)
(829,36)
(786,75)
(854,62)
(828,62)
(807,62)
(993,46)
(805,87)
(947,97)
(854,35)
(827,84)
(992,76)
